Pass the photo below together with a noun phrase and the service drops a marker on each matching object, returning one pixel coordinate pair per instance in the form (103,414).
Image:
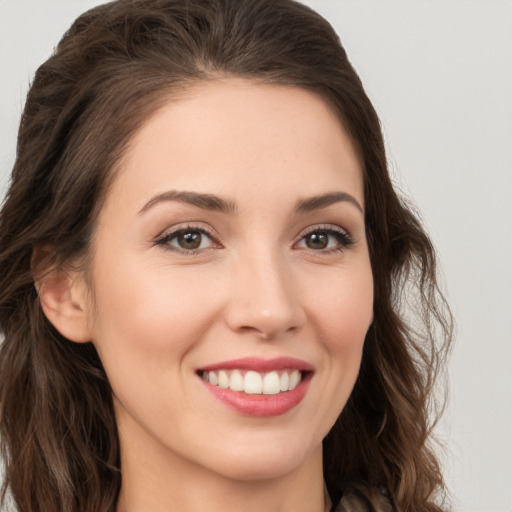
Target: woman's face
(231,281)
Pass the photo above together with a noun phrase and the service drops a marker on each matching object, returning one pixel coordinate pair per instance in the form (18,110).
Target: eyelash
(165,239)
(343,238)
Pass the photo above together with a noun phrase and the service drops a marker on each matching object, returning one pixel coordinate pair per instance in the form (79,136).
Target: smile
(258,387)
(254,383)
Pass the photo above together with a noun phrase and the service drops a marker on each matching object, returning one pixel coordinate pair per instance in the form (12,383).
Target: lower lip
(261,405)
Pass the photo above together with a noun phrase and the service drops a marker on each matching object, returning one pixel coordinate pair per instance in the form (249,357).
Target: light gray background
(440,74)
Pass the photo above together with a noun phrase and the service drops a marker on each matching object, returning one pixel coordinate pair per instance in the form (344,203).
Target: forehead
(235,136)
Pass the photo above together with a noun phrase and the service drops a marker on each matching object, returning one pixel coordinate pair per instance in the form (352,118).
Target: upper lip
(260,365)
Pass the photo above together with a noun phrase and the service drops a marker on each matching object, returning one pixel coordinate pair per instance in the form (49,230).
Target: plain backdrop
(440,75)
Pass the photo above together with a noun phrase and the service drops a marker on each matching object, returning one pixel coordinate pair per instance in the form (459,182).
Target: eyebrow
(204,201)
(325,200)
(215,203)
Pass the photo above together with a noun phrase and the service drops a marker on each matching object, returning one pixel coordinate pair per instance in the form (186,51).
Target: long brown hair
(115,66)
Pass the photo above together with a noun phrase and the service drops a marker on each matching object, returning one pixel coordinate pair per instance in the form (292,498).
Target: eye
(325,239)
(189,239)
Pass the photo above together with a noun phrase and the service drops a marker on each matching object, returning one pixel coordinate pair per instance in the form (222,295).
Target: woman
(203,265)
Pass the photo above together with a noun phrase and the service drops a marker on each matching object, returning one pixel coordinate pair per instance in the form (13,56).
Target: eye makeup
(193,239)
(189,239)
(325,239)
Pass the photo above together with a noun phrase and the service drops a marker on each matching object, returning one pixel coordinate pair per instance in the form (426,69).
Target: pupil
(190,240)
(317,240)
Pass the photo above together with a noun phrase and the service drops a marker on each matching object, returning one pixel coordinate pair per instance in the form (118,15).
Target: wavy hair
(114,68)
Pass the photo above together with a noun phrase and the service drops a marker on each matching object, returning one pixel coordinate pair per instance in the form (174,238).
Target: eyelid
(323,227)
(168,234)
(333,229)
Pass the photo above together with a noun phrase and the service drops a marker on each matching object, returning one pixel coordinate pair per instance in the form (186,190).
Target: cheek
(148,323)
(152,319)
(141,296)
(344,314)
(340,315)
(346,307)
(136,314)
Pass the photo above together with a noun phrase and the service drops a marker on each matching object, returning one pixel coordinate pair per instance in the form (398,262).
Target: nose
(264,299)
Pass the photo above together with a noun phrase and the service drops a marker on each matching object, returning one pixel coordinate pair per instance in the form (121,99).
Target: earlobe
(63,299)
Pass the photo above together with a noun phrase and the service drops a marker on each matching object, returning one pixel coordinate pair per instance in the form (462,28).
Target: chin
(255,462)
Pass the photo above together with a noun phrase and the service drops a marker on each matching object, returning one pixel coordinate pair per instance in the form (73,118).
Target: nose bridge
(263,299)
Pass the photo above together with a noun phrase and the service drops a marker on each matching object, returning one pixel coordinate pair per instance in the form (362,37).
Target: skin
(256,287)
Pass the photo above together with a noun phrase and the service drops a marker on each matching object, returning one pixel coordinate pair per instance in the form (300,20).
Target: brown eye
(187,240)
(325,240)
(317,240)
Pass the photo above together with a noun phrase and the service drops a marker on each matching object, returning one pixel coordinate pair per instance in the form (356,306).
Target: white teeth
(254,383)
(285,378)
(294,380)
(271,384)
(212,378)
(236,382)
(223,379)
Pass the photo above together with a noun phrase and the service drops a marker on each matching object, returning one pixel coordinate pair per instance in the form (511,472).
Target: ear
(63,298)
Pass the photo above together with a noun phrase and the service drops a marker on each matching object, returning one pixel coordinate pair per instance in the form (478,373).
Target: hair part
(116,66)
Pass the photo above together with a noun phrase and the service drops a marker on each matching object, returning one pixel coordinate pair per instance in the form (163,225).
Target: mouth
(258,387)
(251,382)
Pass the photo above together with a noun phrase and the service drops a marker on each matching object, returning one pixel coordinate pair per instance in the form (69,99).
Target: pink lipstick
(258,387)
